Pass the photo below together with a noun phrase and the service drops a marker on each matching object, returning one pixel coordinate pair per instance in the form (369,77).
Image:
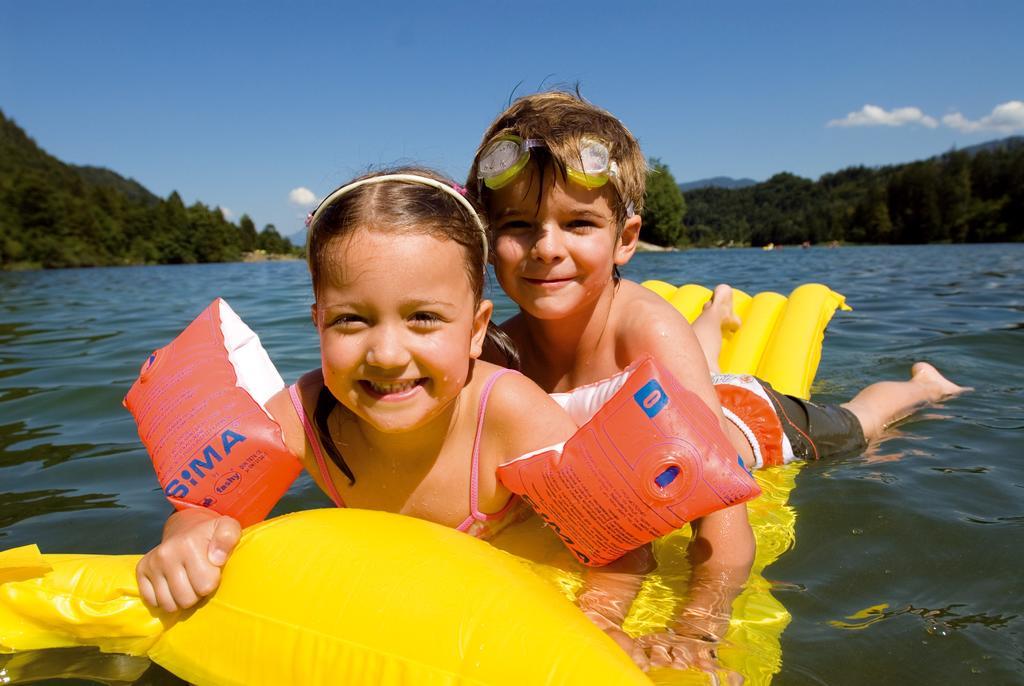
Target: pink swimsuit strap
(321,463)
(474,477)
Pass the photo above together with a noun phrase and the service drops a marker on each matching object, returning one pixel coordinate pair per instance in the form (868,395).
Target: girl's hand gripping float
(651,458)
(198,403)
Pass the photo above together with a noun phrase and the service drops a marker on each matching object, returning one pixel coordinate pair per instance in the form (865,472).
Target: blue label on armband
(739,460)
(651,398)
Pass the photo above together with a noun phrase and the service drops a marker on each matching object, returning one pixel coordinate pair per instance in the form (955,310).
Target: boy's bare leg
(885,402)
(716,316)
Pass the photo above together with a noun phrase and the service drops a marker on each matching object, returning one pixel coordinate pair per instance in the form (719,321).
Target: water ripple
(912,519)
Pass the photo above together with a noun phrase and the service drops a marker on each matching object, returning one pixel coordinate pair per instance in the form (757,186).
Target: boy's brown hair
(560,119)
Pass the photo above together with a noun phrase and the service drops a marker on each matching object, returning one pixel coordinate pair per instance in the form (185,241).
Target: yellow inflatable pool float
(360,597)
(324,597)
(780,338)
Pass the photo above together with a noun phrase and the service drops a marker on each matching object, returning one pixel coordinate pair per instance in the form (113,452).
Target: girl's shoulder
(283,410)
(518,412)
(504,387)
(310,384)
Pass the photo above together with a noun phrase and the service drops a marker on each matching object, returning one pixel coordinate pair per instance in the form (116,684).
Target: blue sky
(241,104)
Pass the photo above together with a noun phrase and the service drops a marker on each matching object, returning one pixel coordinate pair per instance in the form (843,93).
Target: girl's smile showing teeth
(392,390)
(548,281)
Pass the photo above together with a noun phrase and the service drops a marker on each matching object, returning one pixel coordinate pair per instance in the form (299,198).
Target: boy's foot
(937,385)
(720,307)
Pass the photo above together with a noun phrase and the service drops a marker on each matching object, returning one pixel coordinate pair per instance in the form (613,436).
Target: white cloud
(873,115)
(1005,118)
(302,196)
(227,213)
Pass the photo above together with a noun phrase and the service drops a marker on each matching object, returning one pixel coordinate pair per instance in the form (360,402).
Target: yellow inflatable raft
(324,597)
(358,597)
(780,338)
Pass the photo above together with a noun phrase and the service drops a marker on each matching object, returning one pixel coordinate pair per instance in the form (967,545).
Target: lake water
(922,538)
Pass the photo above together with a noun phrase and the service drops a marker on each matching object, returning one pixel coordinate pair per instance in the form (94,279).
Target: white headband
(405,178)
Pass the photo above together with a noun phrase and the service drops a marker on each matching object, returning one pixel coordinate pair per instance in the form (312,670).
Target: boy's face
(556,243)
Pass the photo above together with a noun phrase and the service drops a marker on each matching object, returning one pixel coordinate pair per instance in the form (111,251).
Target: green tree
(273,242)
(954,196)
(664,206)
(914,203)
(1014,211)
(247,229)
(214,237)
(172,232)
(870,222)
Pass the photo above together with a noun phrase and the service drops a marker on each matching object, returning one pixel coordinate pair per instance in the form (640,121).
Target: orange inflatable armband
(652,458)
(198,404)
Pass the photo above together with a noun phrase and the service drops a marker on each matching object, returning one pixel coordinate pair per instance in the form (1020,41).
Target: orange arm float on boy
(198,404)
(651,458)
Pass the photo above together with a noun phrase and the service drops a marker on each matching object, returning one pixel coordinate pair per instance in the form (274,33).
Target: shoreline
(246,258)
(644,246)
(264,256)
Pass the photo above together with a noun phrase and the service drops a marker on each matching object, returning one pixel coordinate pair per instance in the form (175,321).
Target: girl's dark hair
(498,346)
(398,207)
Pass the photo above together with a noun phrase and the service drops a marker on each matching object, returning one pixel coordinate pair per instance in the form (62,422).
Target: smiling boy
(563,182)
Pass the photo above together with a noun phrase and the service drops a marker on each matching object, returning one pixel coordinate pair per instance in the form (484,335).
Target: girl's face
(398,326)
(554,254)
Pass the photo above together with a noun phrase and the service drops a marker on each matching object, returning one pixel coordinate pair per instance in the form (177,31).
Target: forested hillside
(968,196)
(54,214)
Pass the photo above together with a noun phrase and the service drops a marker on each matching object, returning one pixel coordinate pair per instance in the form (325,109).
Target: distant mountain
(20,154)
(1008,143)
(717,182)
(298,239)
(130,188)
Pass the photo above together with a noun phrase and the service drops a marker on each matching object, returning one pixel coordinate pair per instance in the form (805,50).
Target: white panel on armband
(253,369)
(583,403)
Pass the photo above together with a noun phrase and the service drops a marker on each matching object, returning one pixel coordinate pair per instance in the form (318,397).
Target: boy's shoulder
(631,291)
(642,318)
(636,307)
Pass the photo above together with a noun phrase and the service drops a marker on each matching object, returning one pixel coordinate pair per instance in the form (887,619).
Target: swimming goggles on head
(507,155)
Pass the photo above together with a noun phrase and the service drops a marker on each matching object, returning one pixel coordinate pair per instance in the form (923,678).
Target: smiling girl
(401,416)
